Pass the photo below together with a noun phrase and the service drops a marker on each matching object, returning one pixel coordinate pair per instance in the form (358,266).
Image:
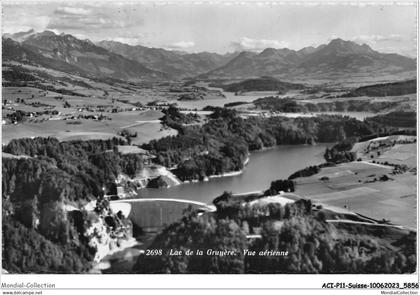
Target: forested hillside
(41,233)
(396,119)
(289,105)
(387,89)
(222,144)
(312,244)
(261,84)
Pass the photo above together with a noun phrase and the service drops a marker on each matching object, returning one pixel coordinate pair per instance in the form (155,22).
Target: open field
(92,129)
(395,149)
(357,187)
(75,107)
(400,154)
(130,149)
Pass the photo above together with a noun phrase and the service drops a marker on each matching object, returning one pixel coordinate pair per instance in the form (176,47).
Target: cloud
(180,45)
(257,44)
(127,40)
(72,11)
(406,51)
(84,19)
(24,22)
(391,43)
(376,38)
(80,36)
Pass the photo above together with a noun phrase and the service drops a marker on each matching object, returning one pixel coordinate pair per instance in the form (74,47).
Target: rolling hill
(262,84)
(387,89)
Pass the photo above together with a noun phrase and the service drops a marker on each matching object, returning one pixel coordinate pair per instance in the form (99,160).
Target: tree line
(222,144)
(341,152)
(312,244)
(289,105)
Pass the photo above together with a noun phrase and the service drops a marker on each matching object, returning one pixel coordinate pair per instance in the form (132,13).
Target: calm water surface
(220,102)
(251,96)
(263,167)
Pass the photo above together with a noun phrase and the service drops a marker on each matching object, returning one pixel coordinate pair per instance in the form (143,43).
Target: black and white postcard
(163,138)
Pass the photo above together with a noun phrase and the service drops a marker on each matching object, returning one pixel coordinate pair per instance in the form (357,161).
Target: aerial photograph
(146,138)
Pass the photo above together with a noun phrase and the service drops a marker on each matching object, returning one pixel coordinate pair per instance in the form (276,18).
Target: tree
(197,233)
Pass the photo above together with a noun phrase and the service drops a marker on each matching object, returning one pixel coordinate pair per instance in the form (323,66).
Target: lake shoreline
(226,174)
(246,161)
(264,166)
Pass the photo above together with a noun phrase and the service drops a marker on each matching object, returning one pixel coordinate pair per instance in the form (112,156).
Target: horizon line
(328,41)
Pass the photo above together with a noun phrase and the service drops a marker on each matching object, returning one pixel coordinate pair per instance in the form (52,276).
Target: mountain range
(337,57)
(118,60)
(175,63)
(67,53)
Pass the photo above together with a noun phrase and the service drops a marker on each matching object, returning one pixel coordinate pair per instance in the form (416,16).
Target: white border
(173,281)
(208,284)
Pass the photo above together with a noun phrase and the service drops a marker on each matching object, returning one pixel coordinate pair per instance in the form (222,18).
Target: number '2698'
(153,252)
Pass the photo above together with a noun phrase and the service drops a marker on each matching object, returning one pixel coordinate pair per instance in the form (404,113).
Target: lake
(251,96)
(220,102)
(263,167)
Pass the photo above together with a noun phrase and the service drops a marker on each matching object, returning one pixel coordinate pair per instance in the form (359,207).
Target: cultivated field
(396,149)
(361,187)
(83,118)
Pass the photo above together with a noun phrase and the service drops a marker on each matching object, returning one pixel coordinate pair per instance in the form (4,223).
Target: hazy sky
(221,27)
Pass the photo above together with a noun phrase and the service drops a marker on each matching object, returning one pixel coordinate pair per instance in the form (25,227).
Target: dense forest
(37,188)
(260,84)
(396,119)
(175,119)
(289,105)
(234,104)
(341,152)
(310,170)
(276,104)
(222,144)
(312,244)
(387,89)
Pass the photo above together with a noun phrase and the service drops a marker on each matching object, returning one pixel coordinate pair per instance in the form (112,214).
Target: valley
(110,148)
